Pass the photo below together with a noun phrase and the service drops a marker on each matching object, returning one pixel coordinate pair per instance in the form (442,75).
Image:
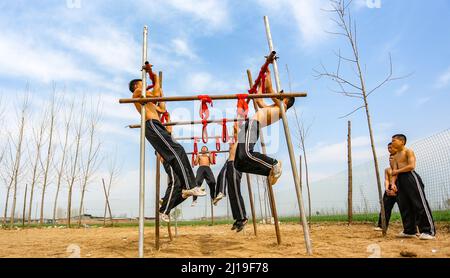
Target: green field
(439,216)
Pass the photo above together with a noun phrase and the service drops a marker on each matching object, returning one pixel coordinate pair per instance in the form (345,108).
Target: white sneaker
(194,203)
(277,170)
(403,235)
(424,236)
(199,192)
(186,193)
(218,198)
(165,218)
(275,173)
(378,229)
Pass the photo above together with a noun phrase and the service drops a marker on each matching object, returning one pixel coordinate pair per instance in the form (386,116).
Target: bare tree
(90,162)
(114,172)
(24,205)
(74,159)
(356,89)
(38,140)
(303,132)
(7,174)
(52,119)
(68,113)
(18,156)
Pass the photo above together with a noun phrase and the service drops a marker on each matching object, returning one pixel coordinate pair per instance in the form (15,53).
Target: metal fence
(329,196)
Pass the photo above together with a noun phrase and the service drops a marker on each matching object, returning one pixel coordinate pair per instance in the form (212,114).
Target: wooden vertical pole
(273,205)
(252,205)
(157,193)
(212,212)
(289,145)
(142,150)
(350,174)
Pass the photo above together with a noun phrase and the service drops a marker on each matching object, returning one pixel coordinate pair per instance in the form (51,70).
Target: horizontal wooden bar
(213,97)
(227,151)
(192,123)
(199,138)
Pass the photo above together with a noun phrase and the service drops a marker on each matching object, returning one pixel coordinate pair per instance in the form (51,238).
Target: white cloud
(309,15)
(109,48)
(28,59)
(212,12)
(443,80)
(402,90)
(182,48)
(207,15)
(337,152)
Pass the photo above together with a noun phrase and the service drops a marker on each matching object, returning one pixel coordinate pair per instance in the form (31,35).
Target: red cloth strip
(213,157)
(164,117)
(204,111)
(225,136)
(218,144)
(205,131)
(193,159)
(242,105)
(195,145)
(261,77)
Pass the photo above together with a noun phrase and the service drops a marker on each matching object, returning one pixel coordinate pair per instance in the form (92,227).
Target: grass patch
(439,216)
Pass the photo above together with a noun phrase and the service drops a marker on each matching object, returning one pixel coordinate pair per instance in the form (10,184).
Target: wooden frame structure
(280,95)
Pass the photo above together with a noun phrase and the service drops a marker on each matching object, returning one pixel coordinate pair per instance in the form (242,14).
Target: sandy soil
(329,240)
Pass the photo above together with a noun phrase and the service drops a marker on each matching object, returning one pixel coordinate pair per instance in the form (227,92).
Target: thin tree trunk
(17,165)
(107,203)
(72,180)
(49,158)
(60,171)
(260,202)
(5,212)
(24,205)
(350,175)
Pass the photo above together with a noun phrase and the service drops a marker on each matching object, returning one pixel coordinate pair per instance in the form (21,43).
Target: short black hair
(132,84)
(401,137)
(205,147)
(290,102)
(390,144)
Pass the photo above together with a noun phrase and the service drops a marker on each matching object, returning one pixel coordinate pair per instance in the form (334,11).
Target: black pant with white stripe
(171,151)
(205,173)
(221,186)
(234,192)
(247,160)
(173,196)
(414,207)
(388,202)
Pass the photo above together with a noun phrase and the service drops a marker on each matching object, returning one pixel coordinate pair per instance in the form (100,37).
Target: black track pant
(221,186)
(413,205)
(389,202)
(234,192)
(205,173)
(171,151)
(173,196)
(247,160)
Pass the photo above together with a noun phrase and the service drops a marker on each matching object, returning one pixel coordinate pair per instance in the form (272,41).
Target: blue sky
(206,47)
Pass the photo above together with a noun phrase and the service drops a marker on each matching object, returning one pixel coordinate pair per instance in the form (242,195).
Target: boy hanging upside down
(249,161)
(161,140)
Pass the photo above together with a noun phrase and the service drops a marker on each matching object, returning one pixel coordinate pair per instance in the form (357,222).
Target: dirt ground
(329,241)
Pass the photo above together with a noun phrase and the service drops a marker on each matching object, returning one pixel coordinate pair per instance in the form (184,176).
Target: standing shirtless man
(414,207)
